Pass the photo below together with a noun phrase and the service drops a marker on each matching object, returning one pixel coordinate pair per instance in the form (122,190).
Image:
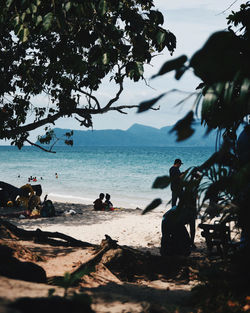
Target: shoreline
(118,202)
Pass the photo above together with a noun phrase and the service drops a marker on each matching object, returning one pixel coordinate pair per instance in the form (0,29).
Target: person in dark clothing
(108,204)
(175,238)
(175,178)
(98,204)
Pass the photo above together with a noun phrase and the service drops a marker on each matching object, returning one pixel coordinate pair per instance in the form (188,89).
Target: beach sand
(129,227)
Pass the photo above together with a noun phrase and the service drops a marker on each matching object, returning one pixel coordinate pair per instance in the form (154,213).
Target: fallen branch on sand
(122,263)
(40,236)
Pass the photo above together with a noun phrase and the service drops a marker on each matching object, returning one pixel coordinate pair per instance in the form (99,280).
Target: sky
(191,22)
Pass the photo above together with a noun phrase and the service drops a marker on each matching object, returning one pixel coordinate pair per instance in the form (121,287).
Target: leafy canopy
(64,49)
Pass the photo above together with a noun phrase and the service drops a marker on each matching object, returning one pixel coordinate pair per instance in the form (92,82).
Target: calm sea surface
(126,173)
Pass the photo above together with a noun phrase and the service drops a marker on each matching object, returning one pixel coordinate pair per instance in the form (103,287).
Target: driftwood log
(125,263)
(39,236)
(128,264)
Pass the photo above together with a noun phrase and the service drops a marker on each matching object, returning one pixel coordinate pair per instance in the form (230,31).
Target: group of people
(101,205)
(34,179)
(14,196)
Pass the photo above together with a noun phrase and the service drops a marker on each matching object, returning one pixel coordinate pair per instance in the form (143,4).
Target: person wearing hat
(175,180)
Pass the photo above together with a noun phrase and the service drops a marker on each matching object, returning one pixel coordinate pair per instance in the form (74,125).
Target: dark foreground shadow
(166,297)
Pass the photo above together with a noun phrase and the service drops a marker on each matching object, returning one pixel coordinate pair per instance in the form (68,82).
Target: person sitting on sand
(175,238)
(98,204)
(108,204)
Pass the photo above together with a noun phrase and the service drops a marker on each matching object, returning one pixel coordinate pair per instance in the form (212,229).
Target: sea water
(126,173)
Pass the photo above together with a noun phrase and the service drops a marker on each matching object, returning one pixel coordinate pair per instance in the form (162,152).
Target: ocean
(126,173)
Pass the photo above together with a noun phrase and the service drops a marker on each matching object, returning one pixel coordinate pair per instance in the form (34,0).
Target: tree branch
(38,146)
(228,7)
(122,107)
(91,97)
(117,96)
(34,125)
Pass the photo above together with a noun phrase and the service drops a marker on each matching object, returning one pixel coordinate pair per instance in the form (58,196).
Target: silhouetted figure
(175,238)
(175,181)
(108,204)
(98,204)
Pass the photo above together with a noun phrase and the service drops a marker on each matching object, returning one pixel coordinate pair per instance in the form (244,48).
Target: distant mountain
(138,135)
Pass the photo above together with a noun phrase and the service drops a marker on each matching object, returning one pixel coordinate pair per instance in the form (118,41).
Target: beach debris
(39,236)
(70,212)
(122,263)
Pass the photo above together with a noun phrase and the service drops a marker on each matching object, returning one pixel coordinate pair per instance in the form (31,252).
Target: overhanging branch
(90,96)
(34,125)
(40,147)
(117,96)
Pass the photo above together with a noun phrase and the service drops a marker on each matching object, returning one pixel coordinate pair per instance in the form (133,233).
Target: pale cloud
(214,5)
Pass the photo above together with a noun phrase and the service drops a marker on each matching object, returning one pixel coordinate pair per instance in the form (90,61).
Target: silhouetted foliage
(64,50)
(223,103)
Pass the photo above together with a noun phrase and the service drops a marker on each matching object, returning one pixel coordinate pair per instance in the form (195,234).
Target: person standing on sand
(175,180)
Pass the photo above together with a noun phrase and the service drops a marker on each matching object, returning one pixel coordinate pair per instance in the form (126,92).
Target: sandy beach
(129,227)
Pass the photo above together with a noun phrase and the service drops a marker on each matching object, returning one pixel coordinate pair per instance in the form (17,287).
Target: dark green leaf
(105,59)
(179,72)
(200,86)
(171,65)
(244,91)
(156,16)
(146,105)
(8,3)
(16,20)
(47,20)
(102,7)
(139,68)
(219,59)
(25,35)
(39,19)
(154,204)
(68,6)
(161,182)
(183,127)
(160,37)
(33,8)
